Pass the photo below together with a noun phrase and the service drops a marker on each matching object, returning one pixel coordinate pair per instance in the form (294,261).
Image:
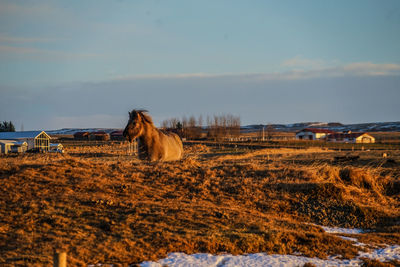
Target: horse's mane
(144,115)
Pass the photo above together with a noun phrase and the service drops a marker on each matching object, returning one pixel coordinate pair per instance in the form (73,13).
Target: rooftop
(20,135)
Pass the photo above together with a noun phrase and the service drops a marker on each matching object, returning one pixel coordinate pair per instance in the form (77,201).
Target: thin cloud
(37,9)
(18,50)
(169,76)
(370,68)
(14,39)
(42,54)
(352,69)
(300,67)
(300,62)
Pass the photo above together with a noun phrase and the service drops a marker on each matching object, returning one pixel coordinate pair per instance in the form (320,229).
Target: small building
(99,136)
(37,140)
(313,134)
(81,135)
(351,138)
(117,135)
(11,146)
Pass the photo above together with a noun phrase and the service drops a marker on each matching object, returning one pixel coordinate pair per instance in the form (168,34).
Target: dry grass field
(103,206)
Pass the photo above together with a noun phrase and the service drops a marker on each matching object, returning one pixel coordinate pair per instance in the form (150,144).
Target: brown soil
(104,207)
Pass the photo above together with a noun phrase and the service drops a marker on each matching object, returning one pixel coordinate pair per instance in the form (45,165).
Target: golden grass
(104,206)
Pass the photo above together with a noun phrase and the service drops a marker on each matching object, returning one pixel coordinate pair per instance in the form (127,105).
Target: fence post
(60,259)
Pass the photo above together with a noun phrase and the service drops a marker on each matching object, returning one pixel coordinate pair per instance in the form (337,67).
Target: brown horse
(154,145)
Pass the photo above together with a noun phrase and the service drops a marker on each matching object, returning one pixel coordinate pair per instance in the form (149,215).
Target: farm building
(38,140)
(99,136)
(7,146)
(117,135)
(313,134)
(81,135)
(351,138)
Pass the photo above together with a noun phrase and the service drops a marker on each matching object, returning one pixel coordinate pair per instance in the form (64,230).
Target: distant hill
(71,131)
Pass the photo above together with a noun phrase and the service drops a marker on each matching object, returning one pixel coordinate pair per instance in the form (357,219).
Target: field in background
(102,205)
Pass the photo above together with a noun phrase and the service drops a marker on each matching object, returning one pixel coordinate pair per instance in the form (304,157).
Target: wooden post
(60,259)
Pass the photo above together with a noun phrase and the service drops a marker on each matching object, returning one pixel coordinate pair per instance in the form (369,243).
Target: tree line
(214,127)
(7,126)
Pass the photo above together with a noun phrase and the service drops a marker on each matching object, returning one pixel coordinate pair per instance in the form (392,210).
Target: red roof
(315,130)
(81,134)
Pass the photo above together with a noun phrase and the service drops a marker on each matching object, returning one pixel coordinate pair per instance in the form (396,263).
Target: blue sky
(87,63)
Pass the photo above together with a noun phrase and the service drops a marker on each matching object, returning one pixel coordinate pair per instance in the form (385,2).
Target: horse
(154,144)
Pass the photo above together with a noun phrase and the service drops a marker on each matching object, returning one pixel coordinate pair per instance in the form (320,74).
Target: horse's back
(173,147)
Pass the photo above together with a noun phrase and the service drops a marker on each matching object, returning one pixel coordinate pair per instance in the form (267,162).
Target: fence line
(109,147)
(301,145)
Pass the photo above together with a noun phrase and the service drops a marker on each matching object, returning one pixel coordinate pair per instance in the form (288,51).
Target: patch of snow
(383,254)
(258,259)
(350,231)
(177,259)
(352,239)
(348,238)
(337,230)
(262,259)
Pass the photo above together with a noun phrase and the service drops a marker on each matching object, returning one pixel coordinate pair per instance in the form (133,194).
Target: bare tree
(218,126)
(269,130)
(165,124)
(200,121)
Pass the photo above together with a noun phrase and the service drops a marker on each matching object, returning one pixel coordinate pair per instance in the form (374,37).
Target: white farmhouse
(38,140)
(313,134)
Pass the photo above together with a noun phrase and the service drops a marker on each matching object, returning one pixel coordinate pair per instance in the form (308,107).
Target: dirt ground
(110,208)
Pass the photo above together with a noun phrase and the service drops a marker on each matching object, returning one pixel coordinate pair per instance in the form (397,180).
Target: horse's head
(135,126)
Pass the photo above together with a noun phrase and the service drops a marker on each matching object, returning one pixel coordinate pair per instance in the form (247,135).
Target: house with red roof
(81,135)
